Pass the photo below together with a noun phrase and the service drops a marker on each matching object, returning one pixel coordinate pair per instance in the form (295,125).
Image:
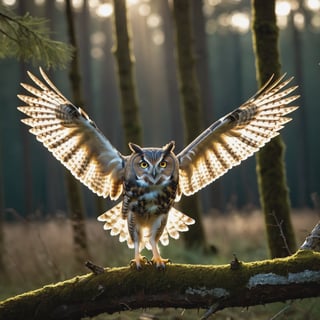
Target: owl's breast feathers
(146,200)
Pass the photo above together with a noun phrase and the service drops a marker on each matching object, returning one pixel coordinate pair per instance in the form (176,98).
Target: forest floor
(41,252)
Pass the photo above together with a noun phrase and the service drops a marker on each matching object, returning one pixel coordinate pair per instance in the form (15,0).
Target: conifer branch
(27,38)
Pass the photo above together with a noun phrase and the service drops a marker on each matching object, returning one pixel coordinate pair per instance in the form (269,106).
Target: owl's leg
(135,234)
(138,260)
(156,233)
(157,259)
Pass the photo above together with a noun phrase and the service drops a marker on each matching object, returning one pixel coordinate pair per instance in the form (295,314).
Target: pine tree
(27,38)
(75,198)
(190,93)
(123,53)
(271,171)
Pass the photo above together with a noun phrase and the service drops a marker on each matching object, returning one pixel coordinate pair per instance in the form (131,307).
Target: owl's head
(153,165)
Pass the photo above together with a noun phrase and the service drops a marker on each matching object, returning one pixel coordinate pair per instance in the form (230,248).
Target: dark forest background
(32,181)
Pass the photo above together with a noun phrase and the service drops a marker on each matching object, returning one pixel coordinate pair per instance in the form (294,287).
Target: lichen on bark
(185,286)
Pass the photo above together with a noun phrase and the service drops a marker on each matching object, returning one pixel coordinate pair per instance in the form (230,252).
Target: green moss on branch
(186,286)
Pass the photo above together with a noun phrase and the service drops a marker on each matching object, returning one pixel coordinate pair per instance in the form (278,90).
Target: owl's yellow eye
(163,164)
(144,164)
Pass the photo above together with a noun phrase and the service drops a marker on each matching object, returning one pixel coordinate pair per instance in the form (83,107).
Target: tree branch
(184,286)
(28,38)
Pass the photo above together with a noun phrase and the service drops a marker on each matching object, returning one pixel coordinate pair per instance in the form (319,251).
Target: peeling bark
(183,286)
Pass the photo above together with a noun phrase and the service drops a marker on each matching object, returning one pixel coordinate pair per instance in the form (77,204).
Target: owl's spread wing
(236,136)
(75,140)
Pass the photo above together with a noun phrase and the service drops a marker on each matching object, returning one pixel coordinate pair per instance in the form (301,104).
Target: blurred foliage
(28,38)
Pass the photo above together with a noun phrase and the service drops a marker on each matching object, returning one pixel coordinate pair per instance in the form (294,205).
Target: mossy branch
(183,286)
(28,38)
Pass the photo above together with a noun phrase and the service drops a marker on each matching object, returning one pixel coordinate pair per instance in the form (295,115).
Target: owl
(150,180)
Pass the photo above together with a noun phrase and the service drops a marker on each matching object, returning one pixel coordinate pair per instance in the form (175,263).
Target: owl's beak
(155,177)
(154,173)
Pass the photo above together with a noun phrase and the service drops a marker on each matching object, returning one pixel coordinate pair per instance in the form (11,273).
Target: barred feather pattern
(73,138)
(236,136)
(177,222)
(150,179)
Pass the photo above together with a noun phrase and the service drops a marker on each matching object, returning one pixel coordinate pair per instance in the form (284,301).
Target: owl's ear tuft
(169,147)
(135,148)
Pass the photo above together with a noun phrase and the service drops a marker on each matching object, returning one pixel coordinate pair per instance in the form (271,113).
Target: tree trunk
(302,168)
(274,196)
(211,195)
(171,76)
(27,150)
(75,199)
(124,57)
(190,93)
(2,206)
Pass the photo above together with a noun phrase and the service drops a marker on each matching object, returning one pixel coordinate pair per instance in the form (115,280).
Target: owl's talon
(145,260)
(160,263)
(139,263)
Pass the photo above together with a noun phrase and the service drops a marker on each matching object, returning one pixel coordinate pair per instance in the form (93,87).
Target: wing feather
(118,226)
(67,132)
(236,136)
(177,222)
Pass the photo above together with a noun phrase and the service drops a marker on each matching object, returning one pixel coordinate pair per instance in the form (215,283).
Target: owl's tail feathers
(114,222)
(177,222)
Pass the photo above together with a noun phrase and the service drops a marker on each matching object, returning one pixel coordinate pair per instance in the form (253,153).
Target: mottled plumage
(150,180)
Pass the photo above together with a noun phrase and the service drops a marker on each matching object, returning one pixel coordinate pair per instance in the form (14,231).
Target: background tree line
(32,180)
(192,80)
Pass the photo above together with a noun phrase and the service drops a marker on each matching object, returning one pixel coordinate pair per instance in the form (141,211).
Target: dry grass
(37,253)
(245,233)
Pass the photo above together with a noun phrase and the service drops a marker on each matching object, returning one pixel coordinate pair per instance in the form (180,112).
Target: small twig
(127,307)
(49,258)
(147,316)
(101,290)
(16,215)
(94,268)
(281,312)
(282,235)
(210,311)
(235,264)
(312,241)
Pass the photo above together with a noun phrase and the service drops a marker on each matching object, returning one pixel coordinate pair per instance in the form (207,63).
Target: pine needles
(28,38)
